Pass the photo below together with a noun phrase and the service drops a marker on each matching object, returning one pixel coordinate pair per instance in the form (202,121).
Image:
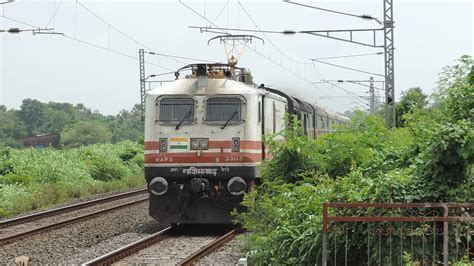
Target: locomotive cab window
(176,110)
(224,110)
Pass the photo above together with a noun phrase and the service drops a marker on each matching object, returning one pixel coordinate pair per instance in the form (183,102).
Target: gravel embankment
(228,254)
(23,227)
(78,243)
(169,251)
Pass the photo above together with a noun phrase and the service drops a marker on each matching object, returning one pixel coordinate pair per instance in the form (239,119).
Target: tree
(128,125)
(10,127)
(412,100)
(33,114)
(86,133)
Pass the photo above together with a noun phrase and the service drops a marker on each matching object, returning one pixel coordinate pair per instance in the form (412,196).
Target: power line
(269,58)
(346,56)
(254,50)
(348,92)
(7,2)
(21,22)
(263,33)
(54,14)
(173,57)
(113,51)
(348,68)
(89,43)
(369,17)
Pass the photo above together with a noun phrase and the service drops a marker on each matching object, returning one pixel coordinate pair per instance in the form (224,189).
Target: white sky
(428,36)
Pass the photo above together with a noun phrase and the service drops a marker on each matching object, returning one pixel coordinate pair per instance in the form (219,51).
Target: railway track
(219,242)
(146,250)
(20,227)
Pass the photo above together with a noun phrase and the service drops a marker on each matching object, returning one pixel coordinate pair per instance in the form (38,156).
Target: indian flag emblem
(178,143)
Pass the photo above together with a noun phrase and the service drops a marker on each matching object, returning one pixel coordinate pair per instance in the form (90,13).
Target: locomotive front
(201,154)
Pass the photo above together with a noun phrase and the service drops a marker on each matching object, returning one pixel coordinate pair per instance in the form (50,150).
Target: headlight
(163,144)
(199,144)
(236,185)
(158,186)
(235,144)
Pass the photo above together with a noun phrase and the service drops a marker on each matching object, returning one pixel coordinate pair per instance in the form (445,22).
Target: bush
(430,160)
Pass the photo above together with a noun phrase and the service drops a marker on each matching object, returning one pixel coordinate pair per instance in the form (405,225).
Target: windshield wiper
(227,122)
(184,118)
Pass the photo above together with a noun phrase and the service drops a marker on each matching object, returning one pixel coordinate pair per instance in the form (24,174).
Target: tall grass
(31,179)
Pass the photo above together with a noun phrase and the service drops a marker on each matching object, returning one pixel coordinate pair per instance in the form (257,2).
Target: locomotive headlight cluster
(199,144)
(163,144)
(235,144)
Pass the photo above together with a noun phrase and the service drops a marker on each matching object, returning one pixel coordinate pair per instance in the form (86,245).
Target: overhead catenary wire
(221,30)
(54,13)
(336,12)
(173,57)
(349,92)
(347,56)
(88,43)
(20,22)
(348,68)
(225,30)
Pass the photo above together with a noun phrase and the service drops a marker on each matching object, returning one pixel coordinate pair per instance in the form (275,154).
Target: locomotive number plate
(236,158)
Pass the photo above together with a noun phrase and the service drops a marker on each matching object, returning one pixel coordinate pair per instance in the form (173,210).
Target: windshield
(174,111)
(224,109)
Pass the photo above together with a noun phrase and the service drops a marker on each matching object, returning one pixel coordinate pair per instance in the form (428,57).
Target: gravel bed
(170,251)
(15,229)
(80,242)
(228,254)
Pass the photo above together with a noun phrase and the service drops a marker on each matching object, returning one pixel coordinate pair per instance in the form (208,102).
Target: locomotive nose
(236,185)
(158,186)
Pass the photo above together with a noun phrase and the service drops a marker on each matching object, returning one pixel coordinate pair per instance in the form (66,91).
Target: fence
(397,233)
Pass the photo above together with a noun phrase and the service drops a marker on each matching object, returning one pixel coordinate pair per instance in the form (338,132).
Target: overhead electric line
(348,68)
(364,16)
(173,57)
(221,30)
(84,42)
(54,14)
(7,2)
(388,46)
(347,56)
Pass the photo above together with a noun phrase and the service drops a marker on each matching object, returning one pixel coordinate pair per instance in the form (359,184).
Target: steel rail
(130,249)
(59,224)
(60,210)
(193,258)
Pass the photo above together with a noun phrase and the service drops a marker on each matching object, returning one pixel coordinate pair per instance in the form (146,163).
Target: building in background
(41,141)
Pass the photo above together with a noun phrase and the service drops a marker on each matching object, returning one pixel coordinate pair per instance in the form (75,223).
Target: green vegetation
(77,124)
(32,178)
(430,158)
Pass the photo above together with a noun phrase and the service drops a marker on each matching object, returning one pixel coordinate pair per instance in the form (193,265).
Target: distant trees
(86,133)
(411,101)
(77,124)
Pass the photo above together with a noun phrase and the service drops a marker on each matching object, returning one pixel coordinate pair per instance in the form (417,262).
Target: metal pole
(372,96)
(445,236)
(389,64)
(141,60)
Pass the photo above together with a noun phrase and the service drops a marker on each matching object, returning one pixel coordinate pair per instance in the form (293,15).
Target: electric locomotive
(203,140)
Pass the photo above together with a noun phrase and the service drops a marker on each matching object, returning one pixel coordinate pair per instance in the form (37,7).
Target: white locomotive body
(203,140)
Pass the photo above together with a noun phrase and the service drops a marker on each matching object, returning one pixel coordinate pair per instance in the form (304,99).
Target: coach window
(224,110)
(176,110)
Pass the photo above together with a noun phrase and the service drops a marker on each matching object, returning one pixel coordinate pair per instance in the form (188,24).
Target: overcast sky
(428,36)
